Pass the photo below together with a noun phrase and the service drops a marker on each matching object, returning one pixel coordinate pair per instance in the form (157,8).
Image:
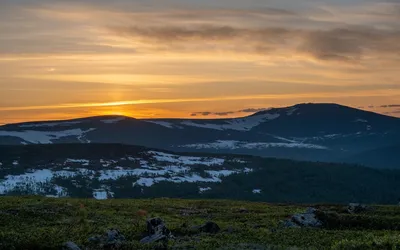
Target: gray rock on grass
(307,219)
(70,246)
(356,208)
(157,231)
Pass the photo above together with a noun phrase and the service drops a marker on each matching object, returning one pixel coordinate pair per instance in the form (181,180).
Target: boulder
(356,208)
(243,210)
(70,246)
(307,219)
(112,239)
(156,231)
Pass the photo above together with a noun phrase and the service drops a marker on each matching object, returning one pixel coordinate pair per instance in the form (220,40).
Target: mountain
(104,171)
(315,132)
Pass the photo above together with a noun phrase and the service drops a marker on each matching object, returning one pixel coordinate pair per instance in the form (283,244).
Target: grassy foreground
(44,223)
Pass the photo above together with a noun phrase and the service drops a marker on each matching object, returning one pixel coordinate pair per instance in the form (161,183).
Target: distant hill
(104,171)
(313,132)
(386,157)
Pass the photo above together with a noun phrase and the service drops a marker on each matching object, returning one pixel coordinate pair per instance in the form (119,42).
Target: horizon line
(203,117)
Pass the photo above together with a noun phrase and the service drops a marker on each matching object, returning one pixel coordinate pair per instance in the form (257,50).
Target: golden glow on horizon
(65,60)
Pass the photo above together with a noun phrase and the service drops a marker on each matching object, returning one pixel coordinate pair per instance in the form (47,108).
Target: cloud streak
(348,43)
(226,113)
(193,55)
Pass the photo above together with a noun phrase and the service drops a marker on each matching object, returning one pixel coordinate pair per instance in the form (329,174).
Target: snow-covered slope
(46,137)
(105,171)
(141,167)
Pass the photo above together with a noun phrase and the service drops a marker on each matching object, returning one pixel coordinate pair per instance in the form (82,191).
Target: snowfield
(188,160)
(165,124)
(111,121)
(45,137)
(239,124)
(150,168)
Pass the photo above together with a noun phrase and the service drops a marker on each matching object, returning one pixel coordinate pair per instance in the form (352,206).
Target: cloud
(390,106)
(226,113)
(348,44)
(252,110)
(392,112)
(283,31)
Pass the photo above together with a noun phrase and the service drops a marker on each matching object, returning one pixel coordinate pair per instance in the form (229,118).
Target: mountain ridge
(313,132)
(266,111)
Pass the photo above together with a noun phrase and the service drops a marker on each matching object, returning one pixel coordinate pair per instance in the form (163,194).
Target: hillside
(43,223)
(386,157)
(312,132)
(121,171)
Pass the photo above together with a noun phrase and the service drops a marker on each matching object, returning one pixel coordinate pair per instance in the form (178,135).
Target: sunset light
(206,124)
(192,56)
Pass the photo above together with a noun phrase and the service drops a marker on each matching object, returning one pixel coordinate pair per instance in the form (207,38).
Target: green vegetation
(44,223)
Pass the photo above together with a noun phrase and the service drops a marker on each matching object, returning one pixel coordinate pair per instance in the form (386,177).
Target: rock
(156,231)
(243,210)
(307,219)
(289,224)
(209,227)
(70,246)
(112,239)
(356,208)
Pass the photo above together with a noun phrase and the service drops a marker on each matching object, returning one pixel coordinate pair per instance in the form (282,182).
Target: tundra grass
(46,223)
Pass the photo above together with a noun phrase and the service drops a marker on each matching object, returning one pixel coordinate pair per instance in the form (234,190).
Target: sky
(62,59)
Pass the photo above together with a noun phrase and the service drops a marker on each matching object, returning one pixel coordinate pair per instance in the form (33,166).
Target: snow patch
(148,182)
(100,194)
(107,163)
(111,121)
(239,124)
(248,170)
(332,136)
(238,161)
(82,161)
(221,173)
(163,123)
(192,178)
(29,180)
(256,191)
(291,111)
(15,163)
(361,120)
(61,191)
(284,139)
(185,160)
(202,190)
(226,144)
(44,137)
